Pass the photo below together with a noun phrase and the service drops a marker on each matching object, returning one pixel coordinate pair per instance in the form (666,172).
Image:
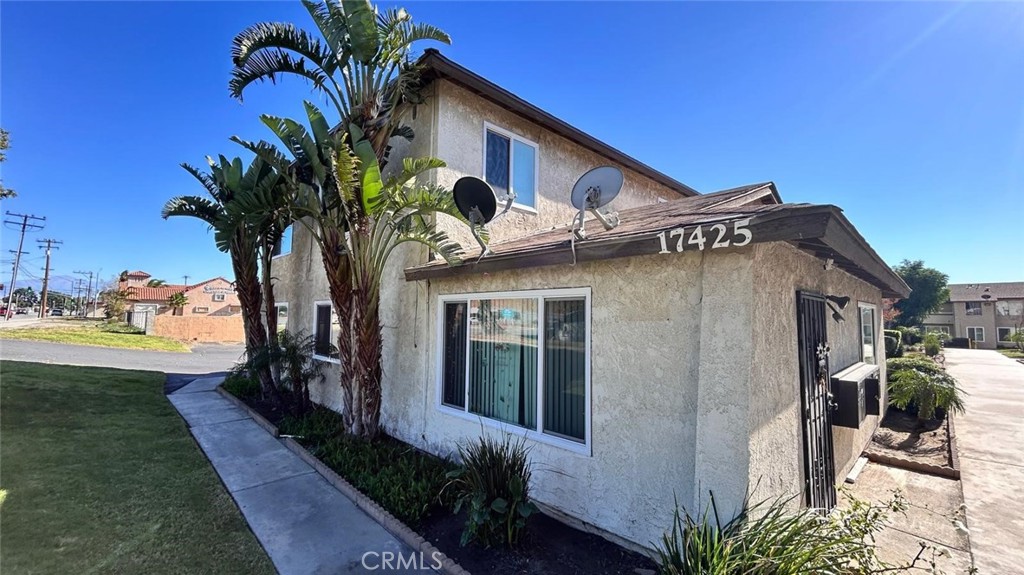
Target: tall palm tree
(356,242)
(222,184)
(156,283)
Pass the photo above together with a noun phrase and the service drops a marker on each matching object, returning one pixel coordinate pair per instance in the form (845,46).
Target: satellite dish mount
(594,190)
(477,203)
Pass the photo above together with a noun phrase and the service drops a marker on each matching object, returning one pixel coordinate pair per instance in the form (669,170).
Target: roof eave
(437,65)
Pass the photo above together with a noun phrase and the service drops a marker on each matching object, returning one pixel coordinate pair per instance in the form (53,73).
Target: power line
(25,226)
(88,293)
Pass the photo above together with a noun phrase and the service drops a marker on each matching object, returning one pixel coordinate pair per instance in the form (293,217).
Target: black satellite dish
(476,202)
(596,189)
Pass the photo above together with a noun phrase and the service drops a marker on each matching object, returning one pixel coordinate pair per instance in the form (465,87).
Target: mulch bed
(546,547)
(902,441)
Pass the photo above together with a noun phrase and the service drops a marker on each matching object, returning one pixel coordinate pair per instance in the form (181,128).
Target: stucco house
(710,342)
(986,313)
(212,312)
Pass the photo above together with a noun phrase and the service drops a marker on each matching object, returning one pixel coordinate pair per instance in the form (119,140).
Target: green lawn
(102,476)
(95,334)
(1012,353)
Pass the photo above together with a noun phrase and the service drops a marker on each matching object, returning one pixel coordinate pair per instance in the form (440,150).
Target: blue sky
(909,116)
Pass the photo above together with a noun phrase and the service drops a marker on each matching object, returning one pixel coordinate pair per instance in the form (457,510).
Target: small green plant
(1017,337)
(922,384)
(771,537)
(239,384)
(293,367)
(932,345)
(493,484)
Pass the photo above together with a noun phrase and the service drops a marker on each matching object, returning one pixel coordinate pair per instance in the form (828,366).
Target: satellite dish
(596,189)
(477,203)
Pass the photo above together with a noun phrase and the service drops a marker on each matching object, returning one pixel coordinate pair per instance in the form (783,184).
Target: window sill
(524,209)
(530,434)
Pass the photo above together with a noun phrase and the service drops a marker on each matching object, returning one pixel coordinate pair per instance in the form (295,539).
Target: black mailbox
(852,394)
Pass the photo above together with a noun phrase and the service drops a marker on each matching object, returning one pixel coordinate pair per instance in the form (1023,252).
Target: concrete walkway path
(991,441)
(305,524)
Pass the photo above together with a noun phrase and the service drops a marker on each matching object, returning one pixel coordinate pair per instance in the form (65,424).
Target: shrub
(922,384)
(493,483)
(895,334)
(399,477)
(770,537)
(911,335)
(115,326)
(893,347)
(932,345)
(240,385)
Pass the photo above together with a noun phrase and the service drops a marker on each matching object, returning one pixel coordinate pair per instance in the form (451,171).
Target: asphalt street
(205,358)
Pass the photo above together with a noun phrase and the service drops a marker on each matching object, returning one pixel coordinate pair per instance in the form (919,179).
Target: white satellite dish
(477,203)
(594,190)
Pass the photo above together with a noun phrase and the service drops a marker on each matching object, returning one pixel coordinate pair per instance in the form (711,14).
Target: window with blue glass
(510,164)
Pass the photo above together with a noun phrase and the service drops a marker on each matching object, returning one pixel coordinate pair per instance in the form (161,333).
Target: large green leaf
(369,170)
(362,29)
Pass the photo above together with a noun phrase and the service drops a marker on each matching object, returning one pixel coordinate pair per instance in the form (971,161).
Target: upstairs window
(283,246)
(1010,308)
(973,308)
(218,297)
(510,163)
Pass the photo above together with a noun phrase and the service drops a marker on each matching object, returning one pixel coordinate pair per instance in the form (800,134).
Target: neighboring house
(212,312)
(987,313)
(688,350)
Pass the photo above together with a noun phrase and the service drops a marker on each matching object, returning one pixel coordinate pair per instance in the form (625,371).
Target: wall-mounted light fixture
(837,301)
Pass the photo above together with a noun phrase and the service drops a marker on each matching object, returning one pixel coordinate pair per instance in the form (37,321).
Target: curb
(909,464)
(388,521)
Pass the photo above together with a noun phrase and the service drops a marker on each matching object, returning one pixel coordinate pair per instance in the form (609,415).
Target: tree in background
(115,303)
(5,143)
(889,312)
(156,283)
(929,291)
(25,296)
(177,302)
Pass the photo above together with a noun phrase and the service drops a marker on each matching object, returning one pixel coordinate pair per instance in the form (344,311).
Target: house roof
(986,291)
(438,66)
(161,293)
(137,274)
(821,230)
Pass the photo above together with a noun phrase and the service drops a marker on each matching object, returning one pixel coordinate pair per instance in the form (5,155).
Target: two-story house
(986,313)
(690,349)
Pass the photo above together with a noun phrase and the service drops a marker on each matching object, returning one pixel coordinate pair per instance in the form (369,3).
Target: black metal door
(816,401)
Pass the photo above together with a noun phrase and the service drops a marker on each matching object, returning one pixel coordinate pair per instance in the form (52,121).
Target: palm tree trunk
(247,286)
(338,268)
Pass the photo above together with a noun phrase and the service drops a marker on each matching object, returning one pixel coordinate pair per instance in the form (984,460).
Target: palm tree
(156,283)
(357,235)
(177,301)
(239,240)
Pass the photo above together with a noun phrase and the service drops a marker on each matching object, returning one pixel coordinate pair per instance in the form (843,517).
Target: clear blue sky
(909,116)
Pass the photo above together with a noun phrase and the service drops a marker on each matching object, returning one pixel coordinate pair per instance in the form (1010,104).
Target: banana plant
(358,219)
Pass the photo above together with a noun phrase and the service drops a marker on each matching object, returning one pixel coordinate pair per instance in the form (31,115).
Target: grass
(99,335)
(1011,353)
(102,476)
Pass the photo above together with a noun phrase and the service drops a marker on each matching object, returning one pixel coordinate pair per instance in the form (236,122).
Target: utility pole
(88,292)
(46,276)
(25,226)
(76,292)
(186,276)
(14,269)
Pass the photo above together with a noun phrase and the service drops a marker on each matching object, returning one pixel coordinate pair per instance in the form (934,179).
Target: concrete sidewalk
(304,523)
(991,440)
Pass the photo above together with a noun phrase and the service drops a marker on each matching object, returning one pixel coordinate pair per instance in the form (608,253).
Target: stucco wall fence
(199,328)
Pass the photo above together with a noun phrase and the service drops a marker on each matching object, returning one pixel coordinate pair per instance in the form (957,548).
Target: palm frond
(192,206)
(206,180)
(361,22)
(267,64)
(413,168)
(281,36)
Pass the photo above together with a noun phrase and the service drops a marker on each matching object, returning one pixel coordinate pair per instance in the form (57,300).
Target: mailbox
(853,394)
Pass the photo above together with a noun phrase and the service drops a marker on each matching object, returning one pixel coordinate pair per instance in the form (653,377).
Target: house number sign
(701,237)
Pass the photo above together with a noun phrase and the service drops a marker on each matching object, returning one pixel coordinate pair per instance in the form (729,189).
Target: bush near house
(893,343)
(921,384)
(932,345)
(405,481)
(910,335)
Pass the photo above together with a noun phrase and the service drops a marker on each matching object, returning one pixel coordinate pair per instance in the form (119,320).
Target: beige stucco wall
(986,320)
(776,437)
(459,141)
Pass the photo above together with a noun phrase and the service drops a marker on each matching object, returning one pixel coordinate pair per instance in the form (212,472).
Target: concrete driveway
(991,441)
(205,358)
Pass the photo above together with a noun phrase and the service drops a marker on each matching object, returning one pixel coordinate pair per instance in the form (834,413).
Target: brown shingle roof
(819,229)
(979,291)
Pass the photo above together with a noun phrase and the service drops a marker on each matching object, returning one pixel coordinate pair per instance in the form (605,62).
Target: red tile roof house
(214,298)
(691,349)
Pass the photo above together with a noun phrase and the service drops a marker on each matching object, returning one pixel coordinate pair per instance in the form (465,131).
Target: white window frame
(1009,333)
(537,434)
(280,304)
(968,333)
(201,309)
(511,163)
(874,330)
(218,297)
(291,243)
(937,328)
(316,304)
(967,309)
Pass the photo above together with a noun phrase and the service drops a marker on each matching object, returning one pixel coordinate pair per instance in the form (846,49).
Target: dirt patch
(546,547)
(902,436)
